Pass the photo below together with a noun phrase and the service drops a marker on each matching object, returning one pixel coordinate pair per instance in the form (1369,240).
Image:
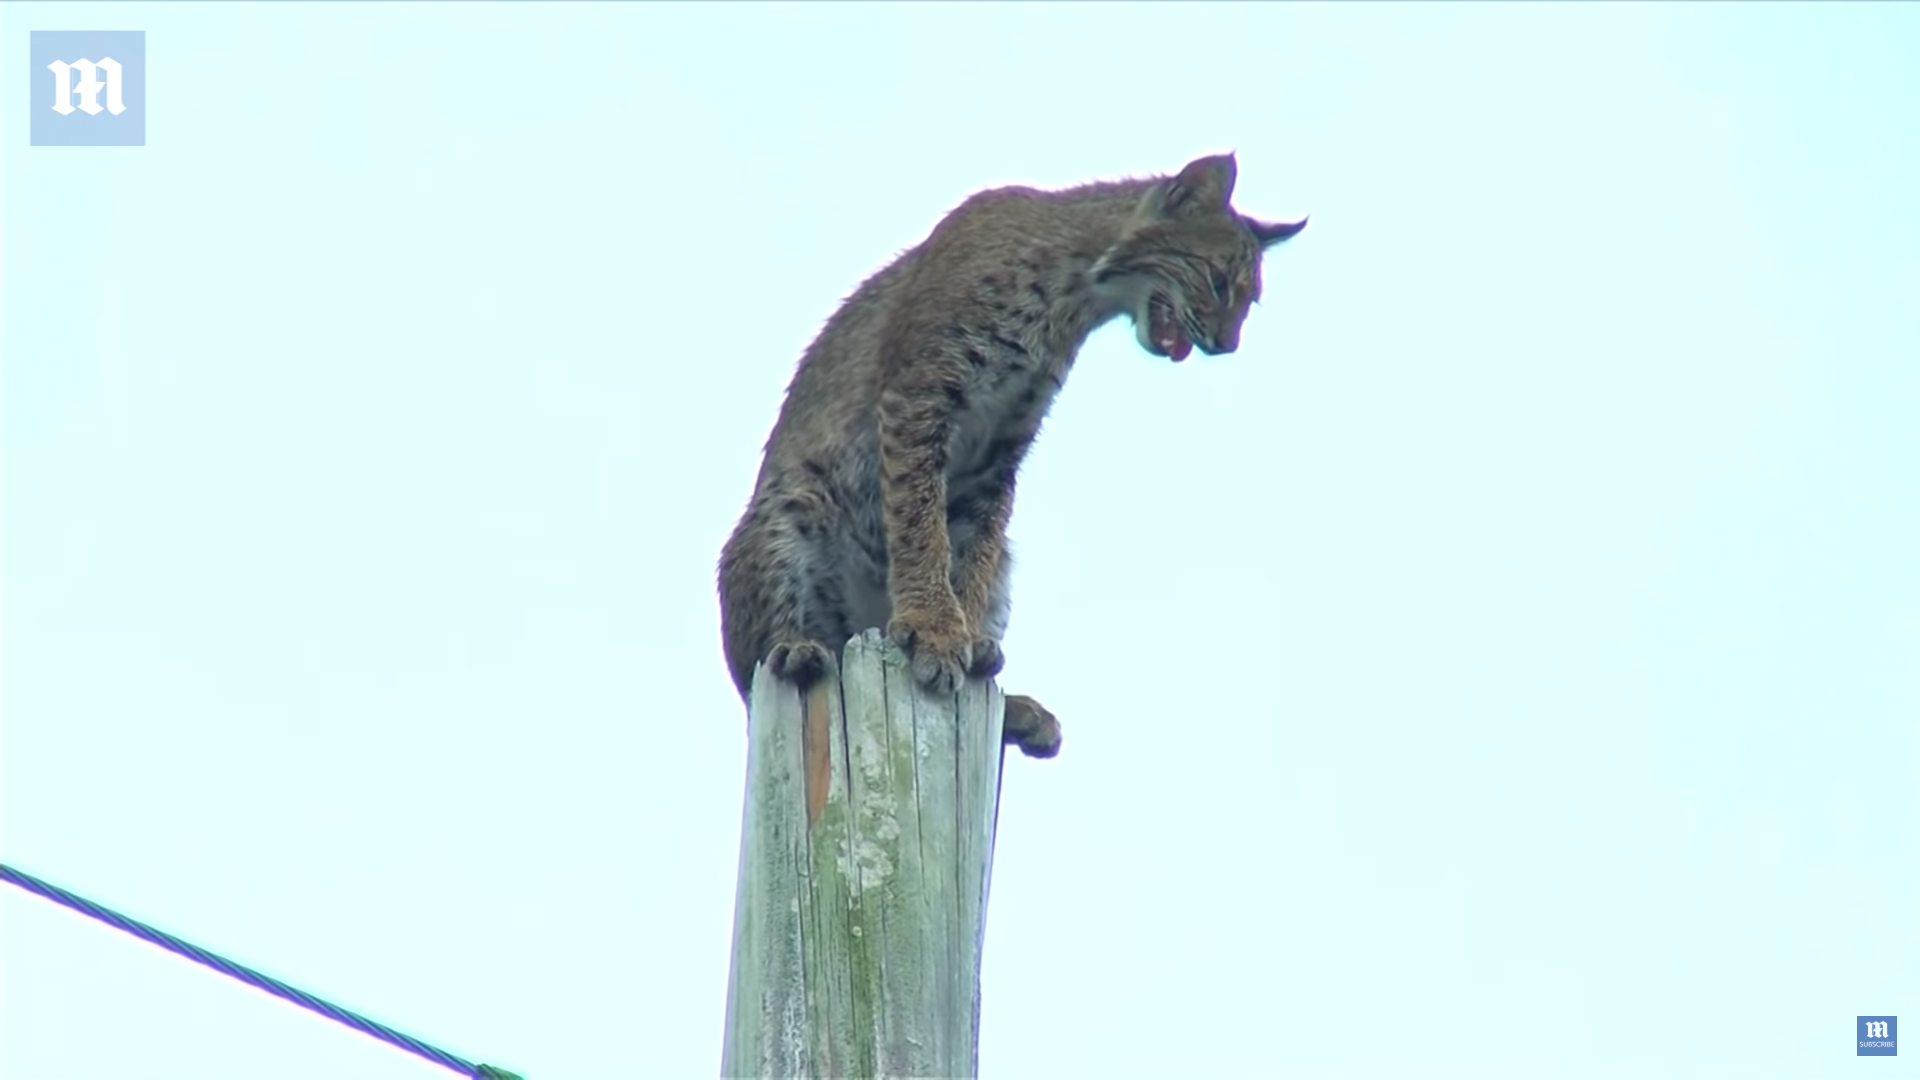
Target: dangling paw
(1031,727)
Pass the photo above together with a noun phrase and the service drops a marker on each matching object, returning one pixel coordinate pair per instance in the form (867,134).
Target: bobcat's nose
(1219,343)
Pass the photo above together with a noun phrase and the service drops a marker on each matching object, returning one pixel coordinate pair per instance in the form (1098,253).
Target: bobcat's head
(1187,266)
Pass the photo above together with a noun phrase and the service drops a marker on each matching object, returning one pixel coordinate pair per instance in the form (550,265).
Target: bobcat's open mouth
(1163,329)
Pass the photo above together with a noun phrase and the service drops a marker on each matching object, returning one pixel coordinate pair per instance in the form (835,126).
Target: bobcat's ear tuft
(1271,233)
(1204,186)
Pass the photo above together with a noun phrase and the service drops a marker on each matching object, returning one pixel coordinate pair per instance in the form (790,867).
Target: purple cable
(251,977)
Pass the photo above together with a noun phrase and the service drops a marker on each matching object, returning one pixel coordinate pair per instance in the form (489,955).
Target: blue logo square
(1877,1036)
(89,88)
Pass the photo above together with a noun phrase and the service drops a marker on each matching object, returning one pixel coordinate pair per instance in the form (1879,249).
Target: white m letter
(89,87)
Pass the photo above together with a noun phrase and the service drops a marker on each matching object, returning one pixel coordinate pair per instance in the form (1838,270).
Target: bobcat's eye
(1220,286)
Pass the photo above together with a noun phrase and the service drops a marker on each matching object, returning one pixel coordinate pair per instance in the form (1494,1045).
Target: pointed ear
(1204,186)
(1271,233)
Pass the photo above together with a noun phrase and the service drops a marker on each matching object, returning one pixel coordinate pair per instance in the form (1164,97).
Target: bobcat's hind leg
(780,594)
(1031,727)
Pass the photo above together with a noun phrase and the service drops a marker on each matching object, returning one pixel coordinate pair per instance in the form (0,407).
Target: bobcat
(886,486)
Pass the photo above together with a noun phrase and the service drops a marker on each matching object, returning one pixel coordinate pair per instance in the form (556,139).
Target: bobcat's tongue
(1167,334)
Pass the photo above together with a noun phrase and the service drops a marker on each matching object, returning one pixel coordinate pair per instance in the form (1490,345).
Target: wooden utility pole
(865,852)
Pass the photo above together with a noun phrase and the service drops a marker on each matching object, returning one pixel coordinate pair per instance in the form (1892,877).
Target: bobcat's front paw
(1030,727)
(940,648)
(800,661)
(987,659)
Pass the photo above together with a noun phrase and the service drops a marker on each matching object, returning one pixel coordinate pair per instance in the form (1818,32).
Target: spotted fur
(886,487)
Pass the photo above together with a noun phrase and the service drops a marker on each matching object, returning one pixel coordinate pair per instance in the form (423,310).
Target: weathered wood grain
(865,853)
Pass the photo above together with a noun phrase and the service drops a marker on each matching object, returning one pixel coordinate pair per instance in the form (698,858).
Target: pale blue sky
(1506,665)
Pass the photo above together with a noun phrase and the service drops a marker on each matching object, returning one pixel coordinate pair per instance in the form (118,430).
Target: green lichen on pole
(865,852)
